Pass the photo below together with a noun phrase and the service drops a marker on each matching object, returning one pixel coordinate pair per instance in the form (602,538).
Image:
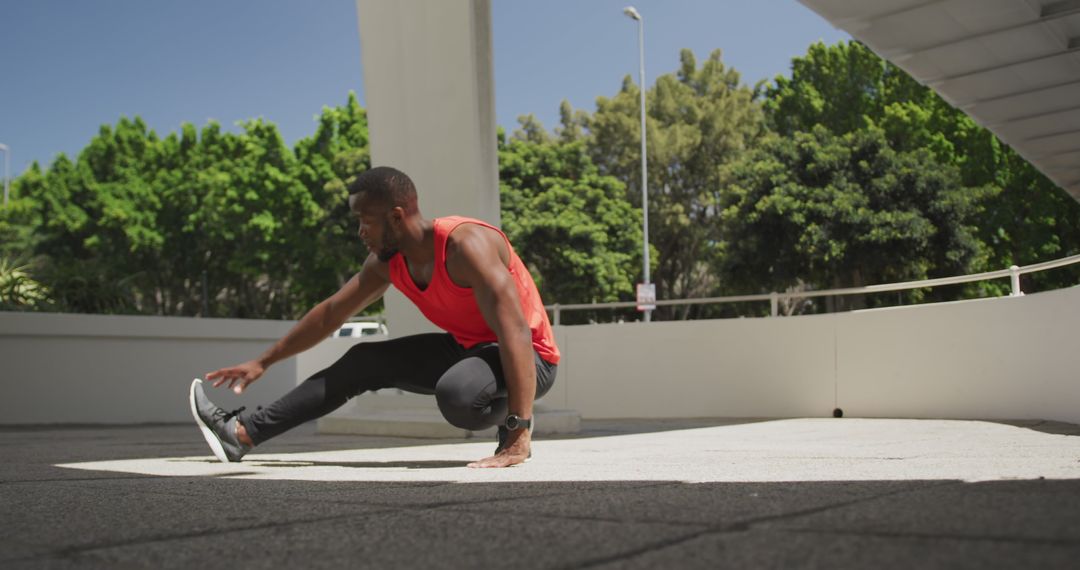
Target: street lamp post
(7,171)
(633,13)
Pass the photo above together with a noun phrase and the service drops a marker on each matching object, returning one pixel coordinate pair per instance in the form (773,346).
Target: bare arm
(478,258)
(363,289)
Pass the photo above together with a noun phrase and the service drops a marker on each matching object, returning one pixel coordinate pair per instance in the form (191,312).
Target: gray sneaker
(216,425)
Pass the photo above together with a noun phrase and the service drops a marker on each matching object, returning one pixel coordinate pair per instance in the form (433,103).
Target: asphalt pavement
(792,493)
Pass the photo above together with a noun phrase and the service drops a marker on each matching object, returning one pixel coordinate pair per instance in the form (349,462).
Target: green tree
(21,218)
(844,211)
(698,119)
(138,223)
(840,87)
(331,157)
(846,88)
(65,245)
(572,226)
(1029,221)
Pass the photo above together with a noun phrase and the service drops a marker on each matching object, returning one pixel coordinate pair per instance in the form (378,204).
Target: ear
(397,214)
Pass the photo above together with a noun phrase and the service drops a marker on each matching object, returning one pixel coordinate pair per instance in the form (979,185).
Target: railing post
(555,312)
(774,302)
(1016,292)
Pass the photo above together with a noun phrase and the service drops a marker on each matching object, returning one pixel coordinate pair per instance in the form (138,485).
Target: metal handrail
(1014,272)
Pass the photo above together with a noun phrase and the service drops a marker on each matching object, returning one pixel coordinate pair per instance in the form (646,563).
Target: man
(498,355)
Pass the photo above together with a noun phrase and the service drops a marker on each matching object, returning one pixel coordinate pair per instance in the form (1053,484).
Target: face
(378,227)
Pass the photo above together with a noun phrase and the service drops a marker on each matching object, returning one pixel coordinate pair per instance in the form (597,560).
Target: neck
(418,244)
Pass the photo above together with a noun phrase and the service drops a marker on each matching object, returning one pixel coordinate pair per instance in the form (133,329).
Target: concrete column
(430,96)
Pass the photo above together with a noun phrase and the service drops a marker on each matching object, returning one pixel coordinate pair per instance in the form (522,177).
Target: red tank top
(454,309)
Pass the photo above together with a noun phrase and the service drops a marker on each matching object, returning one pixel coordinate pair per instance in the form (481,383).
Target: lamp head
(632,12)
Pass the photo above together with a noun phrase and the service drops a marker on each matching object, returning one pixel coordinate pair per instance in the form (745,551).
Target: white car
(361,329)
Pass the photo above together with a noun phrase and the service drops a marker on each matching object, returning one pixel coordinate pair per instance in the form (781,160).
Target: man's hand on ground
(238,377)
(515,452)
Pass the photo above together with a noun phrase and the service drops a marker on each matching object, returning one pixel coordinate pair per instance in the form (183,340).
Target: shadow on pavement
(224,522)
(347,464)
(63,518)
(1044,426)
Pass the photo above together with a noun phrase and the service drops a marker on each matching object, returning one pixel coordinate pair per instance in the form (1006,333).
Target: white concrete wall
(732,368)
(1005,358)
(430,96)
(113,369)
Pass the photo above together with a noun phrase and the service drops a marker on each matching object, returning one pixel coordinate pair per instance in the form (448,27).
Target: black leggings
(468,384)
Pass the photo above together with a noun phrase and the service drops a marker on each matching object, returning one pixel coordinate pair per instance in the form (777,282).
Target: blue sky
(69,67)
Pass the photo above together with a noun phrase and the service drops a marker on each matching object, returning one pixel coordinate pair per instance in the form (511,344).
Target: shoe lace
(230,415)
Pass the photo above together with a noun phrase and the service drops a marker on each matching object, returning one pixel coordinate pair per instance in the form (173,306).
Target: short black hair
(388,186)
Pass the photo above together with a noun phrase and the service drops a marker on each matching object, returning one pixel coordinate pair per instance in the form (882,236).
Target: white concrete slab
(766,451)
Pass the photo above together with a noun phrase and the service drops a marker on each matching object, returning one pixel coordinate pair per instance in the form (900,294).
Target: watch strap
(517,422)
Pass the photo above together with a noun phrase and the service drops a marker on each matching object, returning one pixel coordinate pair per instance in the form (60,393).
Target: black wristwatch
(515,422)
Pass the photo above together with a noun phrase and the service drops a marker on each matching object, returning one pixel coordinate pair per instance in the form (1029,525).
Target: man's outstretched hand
(515,452)
(238,377)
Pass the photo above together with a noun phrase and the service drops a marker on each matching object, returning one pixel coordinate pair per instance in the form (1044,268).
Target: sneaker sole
(207,433)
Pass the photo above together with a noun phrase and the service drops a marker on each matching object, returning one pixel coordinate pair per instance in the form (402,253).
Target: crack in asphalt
(472,506)
(381,509)
(78,479)
(739,527)
(940,536)
(75,551)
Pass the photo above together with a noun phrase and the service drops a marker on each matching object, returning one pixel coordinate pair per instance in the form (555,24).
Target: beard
(386,254)
(389,246)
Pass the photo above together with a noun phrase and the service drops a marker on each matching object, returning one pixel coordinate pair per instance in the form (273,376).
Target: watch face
(512,422)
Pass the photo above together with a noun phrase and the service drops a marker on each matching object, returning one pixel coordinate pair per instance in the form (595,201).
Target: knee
(463,408)
(450,396)
(455,405)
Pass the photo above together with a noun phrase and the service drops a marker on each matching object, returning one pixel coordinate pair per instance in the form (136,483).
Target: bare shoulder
(475,242)
(374,268)
(476,255)
(363,288)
